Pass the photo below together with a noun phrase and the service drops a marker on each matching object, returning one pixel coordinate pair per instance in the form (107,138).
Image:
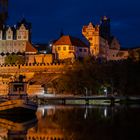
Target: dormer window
(59,48)
(9,37)
(64,48)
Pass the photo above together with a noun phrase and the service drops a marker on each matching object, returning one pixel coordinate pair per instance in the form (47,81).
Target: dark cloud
(48,17)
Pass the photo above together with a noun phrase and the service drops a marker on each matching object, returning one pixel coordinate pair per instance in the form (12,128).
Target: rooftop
(30,48)
(69,40)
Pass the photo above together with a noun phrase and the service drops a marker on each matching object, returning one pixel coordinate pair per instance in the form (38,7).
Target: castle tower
(3,12)
(91,33)
(105,28)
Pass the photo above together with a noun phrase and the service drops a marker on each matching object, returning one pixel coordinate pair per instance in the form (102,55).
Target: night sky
(48,17)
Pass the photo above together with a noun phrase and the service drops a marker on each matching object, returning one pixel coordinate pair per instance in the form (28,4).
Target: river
(75,123)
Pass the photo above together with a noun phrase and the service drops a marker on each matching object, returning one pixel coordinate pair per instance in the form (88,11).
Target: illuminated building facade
(98,45)
(102,44)
(16,39)
(68,47)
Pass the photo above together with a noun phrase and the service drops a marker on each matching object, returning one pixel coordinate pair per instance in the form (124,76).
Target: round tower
(105,28)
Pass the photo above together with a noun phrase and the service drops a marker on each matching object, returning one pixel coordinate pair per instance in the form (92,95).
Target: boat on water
(17,101)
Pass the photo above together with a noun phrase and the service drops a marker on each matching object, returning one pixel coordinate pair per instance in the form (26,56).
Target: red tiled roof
(69,40)
(30,48)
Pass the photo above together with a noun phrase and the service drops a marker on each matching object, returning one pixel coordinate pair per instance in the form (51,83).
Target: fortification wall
(50,68)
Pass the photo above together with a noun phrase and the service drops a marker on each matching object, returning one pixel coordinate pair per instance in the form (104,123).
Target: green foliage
(14,59)
(134,55)
(122,77)
(80,78)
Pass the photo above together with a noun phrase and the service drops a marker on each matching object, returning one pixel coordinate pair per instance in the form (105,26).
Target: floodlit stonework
(39,58)
(102,44)
(69,47)
(98,45)
(16,40)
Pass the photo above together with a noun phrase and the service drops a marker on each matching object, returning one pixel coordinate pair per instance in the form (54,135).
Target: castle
(69,47)
(101,44)
(16,40)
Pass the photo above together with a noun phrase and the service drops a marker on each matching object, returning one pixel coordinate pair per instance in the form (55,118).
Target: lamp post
(105,91)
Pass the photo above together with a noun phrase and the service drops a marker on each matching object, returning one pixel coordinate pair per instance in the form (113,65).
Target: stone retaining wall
(50,68)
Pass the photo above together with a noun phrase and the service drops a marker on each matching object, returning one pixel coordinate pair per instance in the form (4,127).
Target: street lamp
(105,91)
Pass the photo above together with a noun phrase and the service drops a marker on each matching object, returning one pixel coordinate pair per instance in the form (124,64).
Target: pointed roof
(113,38)
(25,23)
(69,40)
(30,48)
(91,24)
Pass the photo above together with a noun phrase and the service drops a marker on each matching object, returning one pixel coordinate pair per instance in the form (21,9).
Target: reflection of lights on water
(3,133)
(42,92)
(43,112)
(105,112)
(47,107)
(86,113)
(50,110)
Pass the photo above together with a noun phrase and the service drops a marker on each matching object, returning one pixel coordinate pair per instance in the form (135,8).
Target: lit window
(70,48)
(9,37)
(59,48)
(19,37)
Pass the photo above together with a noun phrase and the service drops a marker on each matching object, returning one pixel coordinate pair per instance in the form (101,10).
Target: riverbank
(87,100)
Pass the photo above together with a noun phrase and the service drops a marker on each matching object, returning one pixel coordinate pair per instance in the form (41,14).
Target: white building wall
(22,33)
(0,35)
(9,34)
(12,46)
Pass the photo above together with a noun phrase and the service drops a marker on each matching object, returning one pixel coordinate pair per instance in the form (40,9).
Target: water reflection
(10,130)
(75,123)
